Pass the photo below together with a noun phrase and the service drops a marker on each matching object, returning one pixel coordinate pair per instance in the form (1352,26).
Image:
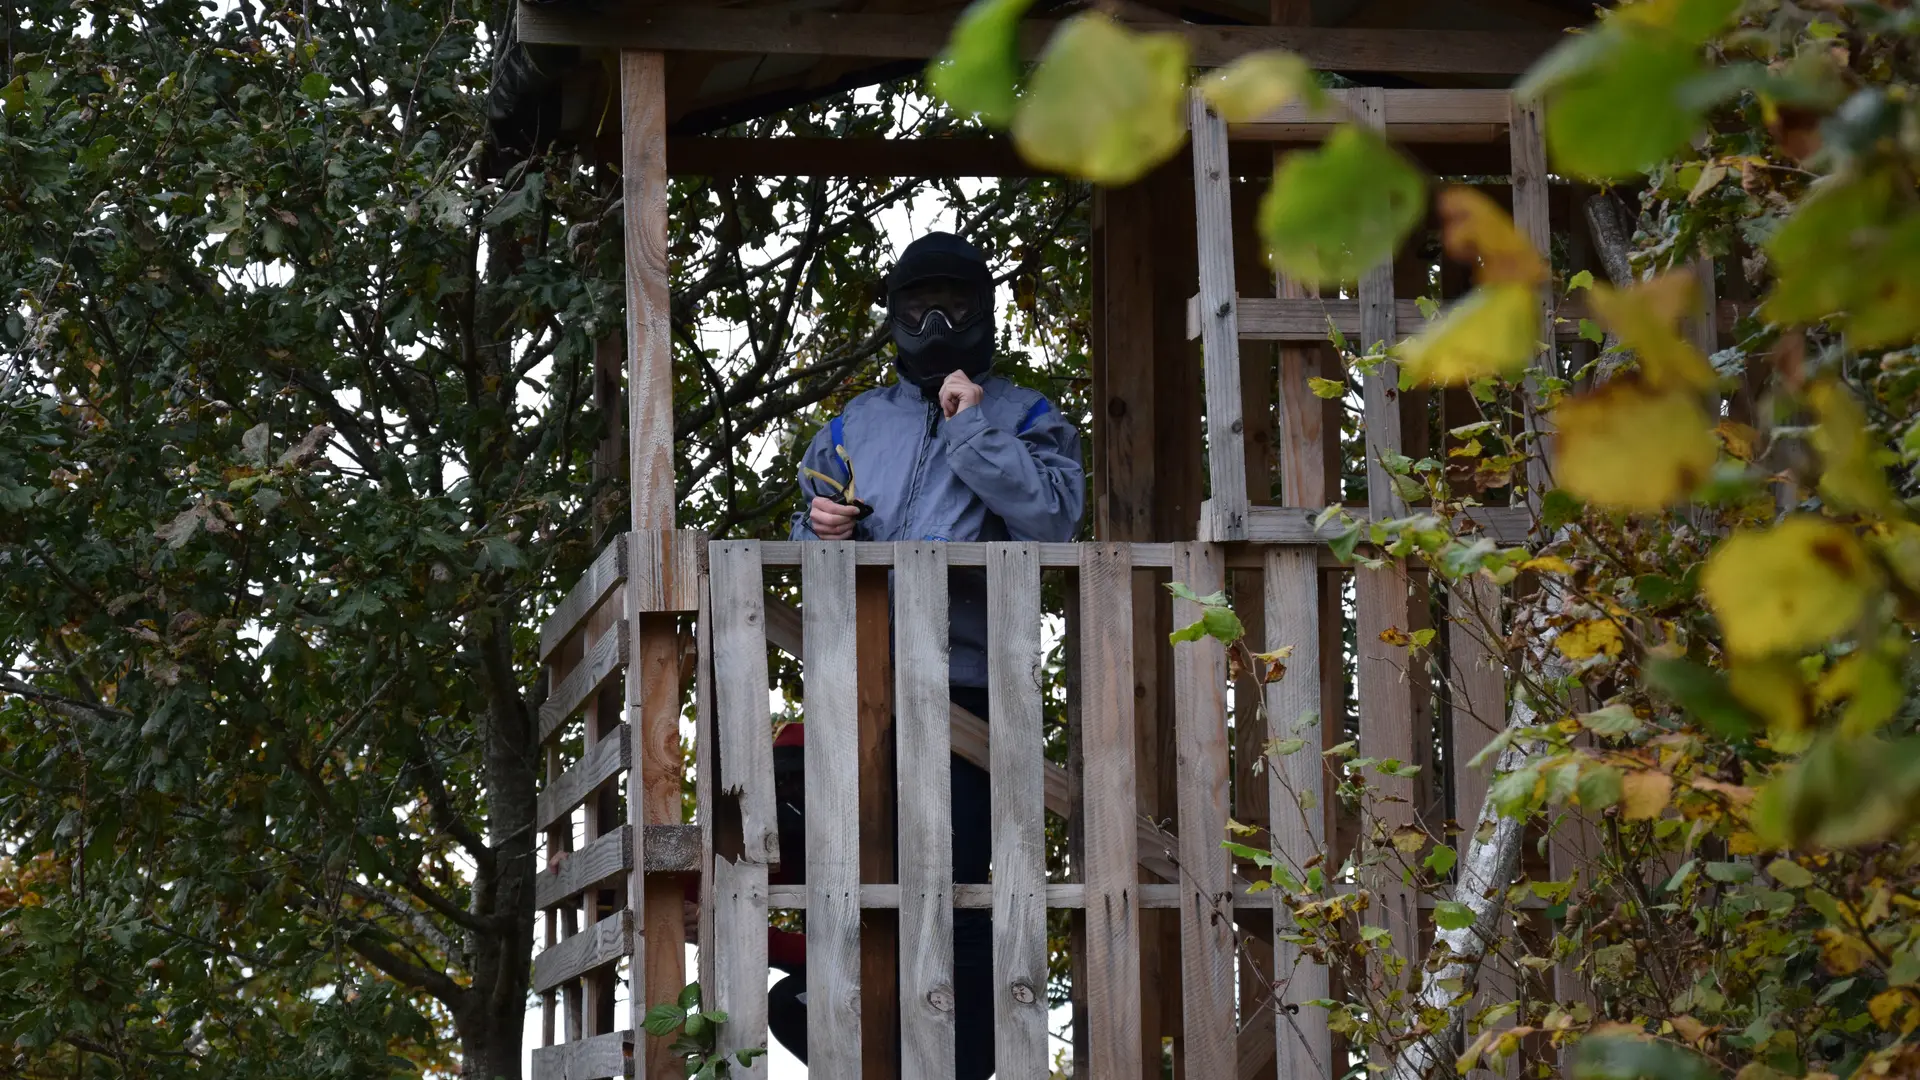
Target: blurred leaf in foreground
(977,72)
(1787,588)
(1630,447)
(1106,104)
(1646,318)
(1494,330)
(1337,211)
(1258,83)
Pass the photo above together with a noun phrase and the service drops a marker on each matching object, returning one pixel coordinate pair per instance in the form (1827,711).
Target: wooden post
(1225,517)
(836,792)
(879,930)
(1112,889)
(1530,215)
(1019,819)
(924,801)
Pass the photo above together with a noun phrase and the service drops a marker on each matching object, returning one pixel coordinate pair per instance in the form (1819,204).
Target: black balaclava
(940,308)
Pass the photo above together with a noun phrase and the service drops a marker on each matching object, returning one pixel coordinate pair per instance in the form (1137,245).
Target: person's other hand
(959,393)
(832,521)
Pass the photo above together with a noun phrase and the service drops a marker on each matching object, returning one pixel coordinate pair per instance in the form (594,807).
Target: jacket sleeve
(1031,478)
(820,458)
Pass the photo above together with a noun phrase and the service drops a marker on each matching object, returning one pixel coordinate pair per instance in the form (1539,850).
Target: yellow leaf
(1738,438)
(1843,953)
(1629,447)
(1644,794)
(1106,104)
(1787,588)
(1851,477)
(1774,689)
(1493,330)
(1644,317)
(1689,1029)
(1743,842)
(1896,1010)
(1326,388)
(1549,564)
(1475,230)
(1258,83)
(1590,638)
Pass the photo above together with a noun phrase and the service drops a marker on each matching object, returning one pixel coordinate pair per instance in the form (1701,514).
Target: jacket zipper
(920,465)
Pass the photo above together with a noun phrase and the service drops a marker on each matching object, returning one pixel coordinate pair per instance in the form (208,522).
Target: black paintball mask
(940,309)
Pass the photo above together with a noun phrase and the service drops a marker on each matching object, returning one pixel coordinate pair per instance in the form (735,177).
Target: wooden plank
(654,801)
(605,858)
(599,1058)
(1019,828)
(1295,525)
(1530,215)
(666,568)
(1400,109)
(598,765)
(1296,793)
(1311,320)
(605,575)
(1213,211)
(705,739)
(1386,732)
(1064,896)
(643,177)
(736,589)
(1206,926)
(602,943)
(833,811)
(1052,556)
(1113,929)
(740,968)
(879,834)
(606,657)
(1478,698)
(925,802)
(922,37)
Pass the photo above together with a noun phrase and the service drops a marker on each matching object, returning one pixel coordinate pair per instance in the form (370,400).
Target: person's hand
(832,521)
(959,393)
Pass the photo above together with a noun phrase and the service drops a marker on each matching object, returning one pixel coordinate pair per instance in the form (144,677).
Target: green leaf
(1251,854)
(1703,693)
(1376,933)
(1336,211)
(1223,624)
(1327,389)
(1258,83)
(1614,1057)
(690,996)
(1621,112)
(1451,914)
(1106,104)
(1590,331)
(1789,873)
(976,73)
(1440,860)
(1851,250)
(1182,591)
(316,86)
(1729,872)
(1599,787)
(664,1020)
(1581,280)
(1613,720)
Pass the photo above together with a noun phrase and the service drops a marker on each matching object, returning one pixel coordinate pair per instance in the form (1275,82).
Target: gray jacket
(1007,469)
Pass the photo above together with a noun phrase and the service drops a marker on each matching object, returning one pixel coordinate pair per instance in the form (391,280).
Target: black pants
(972,928)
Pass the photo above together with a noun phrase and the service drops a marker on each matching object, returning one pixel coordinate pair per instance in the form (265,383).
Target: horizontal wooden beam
(599,945)
(577,871)
(1412,116)
(1507,525)
(604,657)
(1267,318)
(598,765)
(921,37)
(598,583)
(886,897)
(601,1057)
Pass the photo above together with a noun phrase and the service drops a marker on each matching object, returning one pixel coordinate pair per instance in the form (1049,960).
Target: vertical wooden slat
(833,810)
(1206,894)
(879,928)
(925,801)
(706,739)
(1075,650)
(1019,829)
(1297,790)
(736,588)
(1530,214)
(1113,929)
(1219,325)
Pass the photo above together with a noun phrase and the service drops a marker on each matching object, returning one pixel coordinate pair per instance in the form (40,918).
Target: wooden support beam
(922,37)
(1019,820)
(1224,515)
(599,1058)
(877,965)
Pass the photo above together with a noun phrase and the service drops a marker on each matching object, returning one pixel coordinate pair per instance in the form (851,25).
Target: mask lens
(951,298)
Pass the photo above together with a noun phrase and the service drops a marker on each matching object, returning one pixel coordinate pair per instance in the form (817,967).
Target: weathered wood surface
(922,37)
(1289,524)
(737,587)
(1479,696)
(1019,825)
(1225,517)
(606,656)
(607,572)
(1296,793)
(1386,733)
(605,858)
(602,943)
(775,553)
(706,737)
(879,834)
(1070,896)
(925,801)
(1112,882)
(599,1058)
(665,568)
(1312,320)
(1529,153)
(1207,947)
(643,176)
(740,968)
(599,764)
(833,811)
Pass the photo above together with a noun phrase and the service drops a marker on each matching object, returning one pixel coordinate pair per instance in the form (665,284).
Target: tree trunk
(490,1037)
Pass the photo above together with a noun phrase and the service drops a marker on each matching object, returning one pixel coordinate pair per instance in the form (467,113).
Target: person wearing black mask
(948,452)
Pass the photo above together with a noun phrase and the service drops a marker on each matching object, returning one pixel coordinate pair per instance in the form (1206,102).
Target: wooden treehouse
(1200,368)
